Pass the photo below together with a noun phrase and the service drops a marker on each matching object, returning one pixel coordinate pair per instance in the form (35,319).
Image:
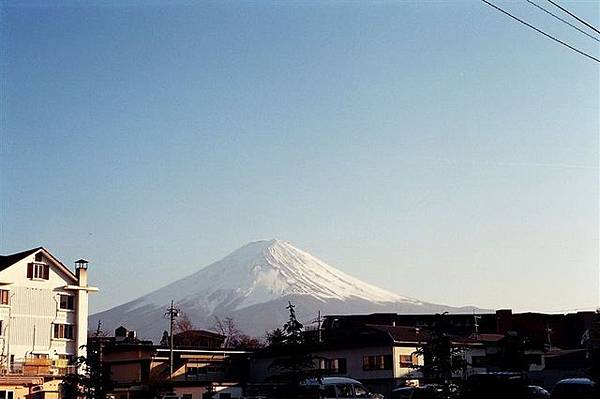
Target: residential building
(137,369)
(381,357)
(43,322)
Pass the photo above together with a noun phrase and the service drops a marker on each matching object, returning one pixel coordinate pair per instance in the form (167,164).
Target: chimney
(81,272)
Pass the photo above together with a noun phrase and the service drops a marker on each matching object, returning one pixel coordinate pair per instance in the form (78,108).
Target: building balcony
(39,367)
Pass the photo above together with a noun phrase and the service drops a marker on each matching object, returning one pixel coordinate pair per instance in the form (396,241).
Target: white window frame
(6,392)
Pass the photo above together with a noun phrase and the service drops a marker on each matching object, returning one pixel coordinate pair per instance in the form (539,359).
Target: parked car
(403,393)
(424,392)
(497,385)
(340,387)
(535,392)
(575,388)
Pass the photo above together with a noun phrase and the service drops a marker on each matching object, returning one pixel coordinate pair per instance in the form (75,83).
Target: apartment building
(43,322)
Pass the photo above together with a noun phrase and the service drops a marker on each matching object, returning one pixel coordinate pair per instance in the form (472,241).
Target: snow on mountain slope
(262,271)
(253,284)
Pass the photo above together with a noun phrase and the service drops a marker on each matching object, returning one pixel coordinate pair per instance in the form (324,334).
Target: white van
(340,387)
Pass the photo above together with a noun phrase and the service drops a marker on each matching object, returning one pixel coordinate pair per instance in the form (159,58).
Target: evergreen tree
(165,340)
(296,364)
(275,338)
(88,380)
(441,357)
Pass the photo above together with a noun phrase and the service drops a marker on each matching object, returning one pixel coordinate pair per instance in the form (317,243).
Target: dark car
(403,393)
(425,392)
(576,388)
(535,392)
(500,385)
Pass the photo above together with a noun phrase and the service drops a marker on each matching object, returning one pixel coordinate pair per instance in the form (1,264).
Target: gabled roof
(8,260)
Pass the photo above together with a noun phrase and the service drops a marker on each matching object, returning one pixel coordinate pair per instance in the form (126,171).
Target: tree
(441,357)
(296,364)
(512,353)
(592,342)
(183,323)
(209,393)
(165,340)
(228,328)
(244,341)
(275,338)
(88,380)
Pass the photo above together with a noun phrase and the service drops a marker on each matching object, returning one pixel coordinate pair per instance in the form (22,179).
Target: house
(381,357)
(43,322)
(137,369)
(554,345)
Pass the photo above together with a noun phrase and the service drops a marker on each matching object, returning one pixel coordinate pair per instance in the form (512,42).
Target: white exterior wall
(27,321)
(406,372)
(354,361)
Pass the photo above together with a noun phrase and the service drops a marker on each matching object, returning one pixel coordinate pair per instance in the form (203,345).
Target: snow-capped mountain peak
(253,285)
(265,270)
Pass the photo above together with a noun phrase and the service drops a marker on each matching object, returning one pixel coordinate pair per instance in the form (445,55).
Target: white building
(43,314)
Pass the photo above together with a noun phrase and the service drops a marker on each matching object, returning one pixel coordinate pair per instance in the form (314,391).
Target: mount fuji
(253,285)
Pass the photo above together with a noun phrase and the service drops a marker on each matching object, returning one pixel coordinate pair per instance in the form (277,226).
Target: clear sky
(436,149)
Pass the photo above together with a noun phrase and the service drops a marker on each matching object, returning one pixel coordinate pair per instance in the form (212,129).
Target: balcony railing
(39,367)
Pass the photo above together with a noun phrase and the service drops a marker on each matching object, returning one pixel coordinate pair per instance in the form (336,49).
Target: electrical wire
(562,20)
(575,16)
(541,31)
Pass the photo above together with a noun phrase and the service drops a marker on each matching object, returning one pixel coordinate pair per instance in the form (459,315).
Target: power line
(575,16)
(562,20)
(541,31)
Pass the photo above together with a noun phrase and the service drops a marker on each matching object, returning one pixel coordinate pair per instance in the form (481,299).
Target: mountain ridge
(257,276)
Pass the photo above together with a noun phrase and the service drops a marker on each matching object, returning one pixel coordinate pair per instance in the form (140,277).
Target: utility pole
(319,327)
(476,324)
(548,337)
(99,380)
(171,313)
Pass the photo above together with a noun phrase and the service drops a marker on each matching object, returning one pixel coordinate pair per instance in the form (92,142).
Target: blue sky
(436,149)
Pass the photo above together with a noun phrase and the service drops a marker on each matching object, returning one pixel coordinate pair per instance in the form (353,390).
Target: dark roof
(200,333)
(403,334)
(9,260)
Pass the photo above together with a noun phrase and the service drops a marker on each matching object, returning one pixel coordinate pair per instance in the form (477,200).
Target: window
(67,302)
(407,361)
(224,396)
(63,331)
(344,391)
(187,396)
(39,257)
(379,362)
(361,392)
(333,366)
(4,296)
(6,394)
(38,270)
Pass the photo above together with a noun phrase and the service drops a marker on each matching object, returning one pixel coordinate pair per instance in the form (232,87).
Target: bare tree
(183,323)
(228,328)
